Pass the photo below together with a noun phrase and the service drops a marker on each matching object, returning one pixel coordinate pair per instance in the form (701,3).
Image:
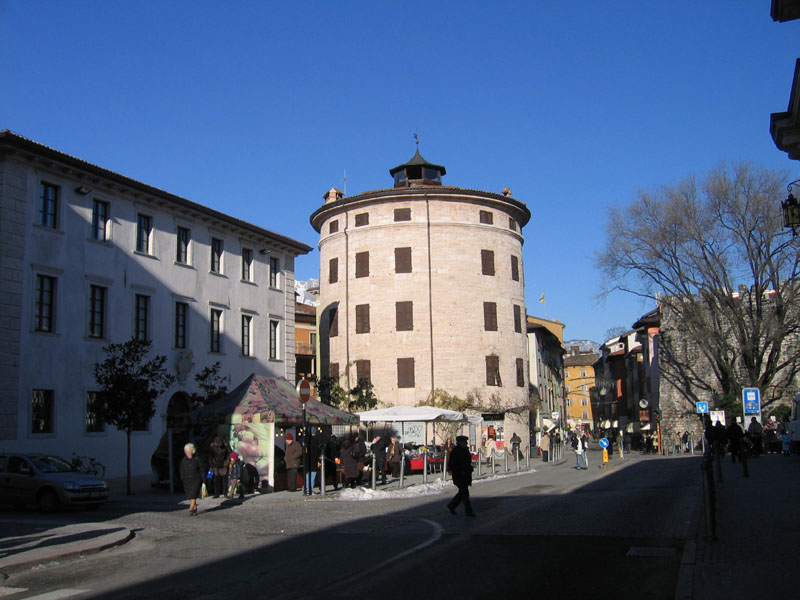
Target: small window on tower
(402,214)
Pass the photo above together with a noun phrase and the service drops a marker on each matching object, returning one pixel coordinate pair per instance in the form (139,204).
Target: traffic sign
(751,397)
(604,443)
(702,407)
(303,390)
(555,414)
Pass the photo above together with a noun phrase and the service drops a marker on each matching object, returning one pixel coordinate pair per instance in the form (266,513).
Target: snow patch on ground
(434,488)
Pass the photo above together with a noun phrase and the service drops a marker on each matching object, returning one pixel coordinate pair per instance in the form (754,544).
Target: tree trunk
(128,464)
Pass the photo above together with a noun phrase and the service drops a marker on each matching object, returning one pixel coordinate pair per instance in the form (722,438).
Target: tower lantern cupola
(417,172)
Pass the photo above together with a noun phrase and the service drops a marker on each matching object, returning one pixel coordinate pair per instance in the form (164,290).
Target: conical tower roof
(418,161)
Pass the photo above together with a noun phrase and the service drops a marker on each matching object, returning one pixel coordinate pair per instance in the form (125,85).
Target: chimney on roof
(574,349)
(332,195)
(506,192)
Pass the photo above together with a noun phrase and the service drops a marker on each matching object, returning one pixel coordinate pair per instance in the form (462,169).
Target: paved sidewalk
(758,529)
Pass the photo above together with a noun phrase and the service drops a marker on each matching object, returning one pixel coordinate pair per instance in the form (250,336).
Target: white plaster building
(421,288)
(89,257)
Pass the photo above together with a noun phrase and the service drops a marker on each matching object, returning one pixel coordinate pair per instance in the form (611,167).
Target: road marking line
(438,531)
(57,594)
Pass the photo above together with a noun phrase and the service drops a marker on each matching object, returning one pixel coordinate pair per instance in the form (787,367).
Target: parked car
(47,481)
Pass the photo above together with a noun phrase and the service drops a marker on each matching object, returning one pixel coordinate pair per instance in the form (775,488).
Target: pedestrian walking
(516,441)
(490,448)
(235,469)
(293,458)
(544,446)
(359,451)
(218,452)
(347,456)
(756,434)
(585,448)
(734,434)
(314,454)
(577,446)
(395,455)
(460,466)
(191,477)
(331,455)
(379,448)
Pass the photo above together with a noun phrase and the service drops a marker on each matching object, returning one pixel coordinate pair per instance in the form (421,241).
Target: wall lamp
(791,209)
(83,190)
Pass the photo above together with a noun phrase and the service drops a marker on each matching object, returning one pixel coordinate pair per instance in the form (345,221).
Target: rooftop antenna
(416,138)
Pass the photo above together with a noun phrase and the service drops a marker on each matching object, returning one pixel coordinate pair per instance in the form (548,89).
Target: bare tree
(714,256)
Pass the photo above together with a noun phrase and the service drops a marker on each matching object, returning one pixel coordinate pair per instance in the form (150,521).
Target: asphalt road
(558,532)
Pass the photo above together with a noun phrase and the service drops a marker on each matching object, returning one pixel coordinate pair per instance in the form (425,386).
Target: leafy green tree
(129,385)
(362,397)
(330,392)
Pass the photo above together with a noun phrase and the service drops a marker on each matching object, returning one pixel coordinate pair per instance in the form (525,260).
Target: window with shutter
(363,370)
(404,316)
(520,372)
(362,264)
(512,224)
(490,316)
(493,370)
(333,323)
(515,268)
(402,214)
(334,226)
(402,260)
(405,372)
(333,370)
(333,270)
(362,219)
(517,318)
(362,318)
(487,262)
(486,217)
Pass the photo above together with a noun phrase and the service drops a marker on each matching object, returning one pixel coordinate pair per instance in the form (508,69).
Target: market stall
(249,415)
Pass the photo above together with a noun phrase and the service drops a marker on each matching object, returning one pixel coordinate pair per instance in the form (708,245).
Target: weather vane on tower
(416,138)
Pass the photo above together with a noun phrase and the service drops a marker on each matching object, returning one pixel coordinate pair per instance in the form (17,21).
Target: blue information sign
(751,397)
(604,443)
(702,407)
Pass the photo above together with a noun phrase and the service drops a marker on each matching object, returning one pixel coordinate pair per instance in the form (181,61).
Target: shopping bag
(203,491)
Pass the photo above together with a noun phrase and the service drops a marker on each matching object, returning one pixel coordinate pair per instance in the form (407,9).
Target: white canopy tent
(409,414)
(417,413)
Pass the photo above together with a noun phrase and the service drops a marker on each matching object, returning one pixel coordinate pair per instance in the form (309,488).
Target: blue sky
(257,108)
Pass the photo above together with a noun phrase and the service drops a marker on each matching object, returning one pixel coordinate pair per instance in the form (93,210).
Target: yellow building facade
(578,380)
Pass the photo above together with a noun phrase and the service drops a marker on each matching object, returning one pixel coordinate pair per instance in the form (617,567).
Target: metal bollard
(505,458)
(444,466)
(528,458)
(493,462)
(516,458)
(402,470)
(425,467)
(479,464)
(374,473)
(322,462)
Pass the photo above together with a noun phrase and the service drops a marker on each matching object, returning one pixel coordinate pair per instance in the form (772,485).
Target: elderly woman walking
(191,476)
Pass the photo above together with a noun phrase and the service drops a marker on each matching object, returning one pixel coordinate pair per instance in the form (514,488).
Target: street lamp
(791,209)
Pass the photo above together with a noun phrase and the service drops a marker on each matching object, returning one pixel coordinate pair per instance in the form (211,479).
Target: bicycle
(88,465)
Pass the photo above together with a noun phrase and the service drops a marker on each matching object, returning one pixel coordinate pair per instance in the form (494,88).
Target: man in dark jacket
(379,448)
(460,466)
(515,444)
(293,458)
(734,434)
(359,453)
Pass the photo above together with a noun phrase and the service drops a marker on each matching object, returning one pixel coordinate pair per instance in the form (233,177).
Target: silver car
(47,481)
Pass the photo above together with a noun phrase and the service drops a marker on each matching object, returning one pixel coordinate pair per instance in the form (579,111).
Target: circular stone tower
(422,289)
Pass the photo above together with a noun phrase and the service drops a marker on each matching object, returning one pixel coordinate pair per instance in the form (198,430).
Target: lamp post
(791,209)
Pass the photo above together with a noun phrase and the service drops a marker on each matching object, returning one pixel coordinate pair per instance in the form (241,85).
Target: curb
(22,563)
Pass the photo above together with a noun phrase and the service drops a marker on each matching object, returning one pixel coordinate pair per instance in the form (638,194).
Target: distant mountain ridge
(585,345)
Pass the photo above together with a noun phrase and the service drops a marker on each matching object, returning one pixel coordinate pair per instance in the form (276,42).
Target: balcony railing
(304,349)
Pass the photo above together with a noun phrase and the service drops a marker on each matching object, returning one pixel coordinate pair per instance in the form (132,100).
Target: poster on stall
(253,442)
